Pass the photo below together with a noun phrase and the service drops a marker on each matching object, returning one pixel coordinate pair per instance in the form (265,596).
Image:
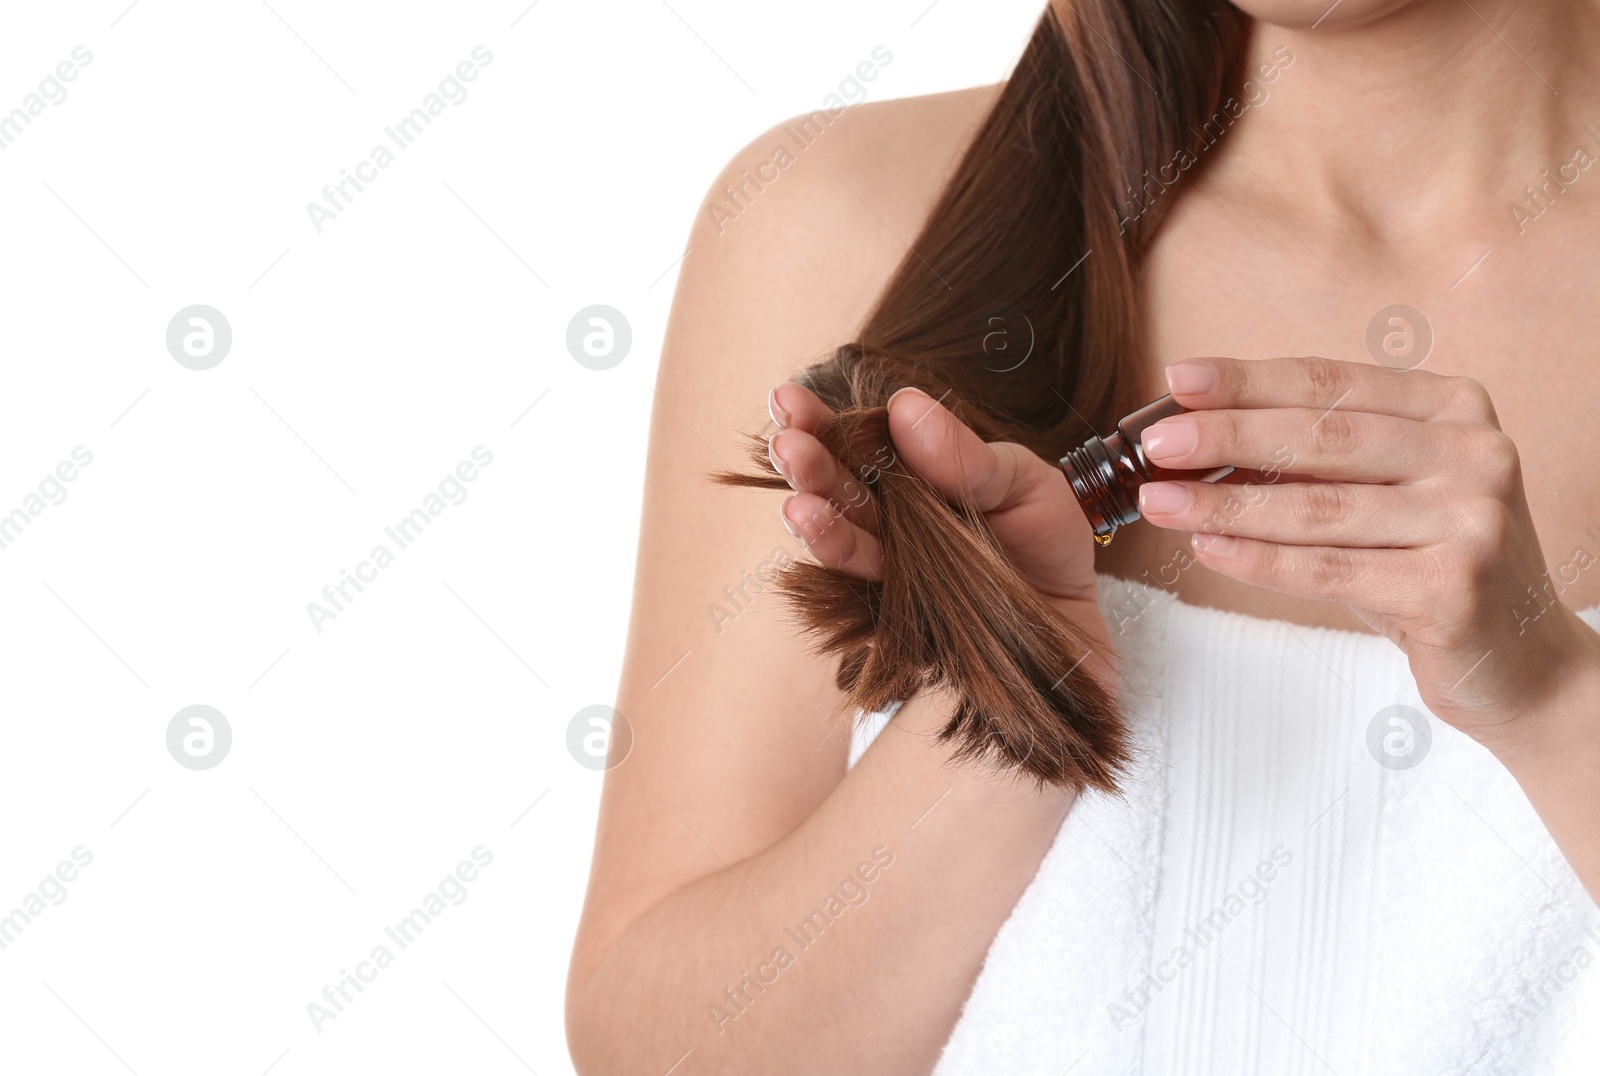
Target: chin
(1303,14)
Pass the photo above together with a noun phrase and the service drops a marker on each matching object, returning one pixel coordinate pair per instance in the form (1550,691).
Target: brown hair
(1067,170)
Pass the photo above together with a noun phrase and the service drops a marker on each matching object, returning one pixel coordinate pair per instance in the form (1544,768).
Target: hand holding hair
(944,560)
(1036,519)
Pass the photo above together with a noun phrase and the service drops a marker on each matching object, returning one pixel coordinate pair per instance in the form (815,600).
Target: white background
(371,757)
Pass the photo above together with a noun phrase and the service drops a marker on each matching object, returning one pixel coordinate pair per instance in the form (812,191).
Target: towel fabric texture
(1308,873)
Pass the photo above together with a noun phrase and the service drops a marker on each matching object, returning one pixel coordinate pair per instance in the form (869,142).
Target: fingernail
(775,409)
(912,390)
(1218,545)
(1163,498)
(1191,378)
(783,514)
(775,454)
(1170,438)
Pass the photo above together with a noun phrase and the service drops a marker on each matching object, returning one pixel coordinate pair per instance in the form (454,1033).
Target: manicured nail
(775,409)
(1164,498)
(926,408)
(1191,378)
(1171,438)
(1218,545)
(783,514)
(775,454)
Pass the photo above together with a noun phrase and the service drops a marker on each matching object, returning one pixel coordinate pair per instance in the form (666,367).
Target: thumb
(954,460)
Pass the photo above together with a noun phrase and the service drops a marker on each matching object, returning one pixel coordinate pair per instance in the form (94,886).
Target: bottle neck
(1092,473)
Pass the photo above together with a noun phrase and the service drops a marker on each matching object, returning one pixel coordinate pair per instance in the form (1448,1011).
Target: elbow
(597,1040)
(585,1033)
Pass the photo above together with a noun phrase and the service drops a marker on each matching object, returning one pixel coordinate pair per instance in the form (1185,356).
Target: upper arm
(736,731)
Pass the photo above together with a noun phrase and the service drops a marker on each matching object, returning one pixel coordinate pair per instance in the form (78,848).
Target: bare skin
(735,815)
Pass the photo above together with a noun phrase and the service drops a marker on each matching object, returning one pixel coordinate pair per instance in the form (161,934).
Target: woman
(1303,872)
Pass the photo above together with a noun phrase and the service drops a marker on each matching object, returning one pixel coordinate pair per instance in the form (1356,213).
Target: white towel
(1269,898)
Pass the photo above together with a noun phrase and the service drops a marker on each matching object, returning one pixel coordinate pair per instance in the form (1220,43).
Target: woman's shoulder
(815,213)
(901,150)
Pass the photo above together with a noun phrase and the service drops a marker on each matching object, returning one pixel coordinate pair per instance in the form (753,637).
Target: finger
(1327,385)
(1356,446)
(1311,513)
(1375,579)
(955,461)
(795,406)
(810,468)
(836,542)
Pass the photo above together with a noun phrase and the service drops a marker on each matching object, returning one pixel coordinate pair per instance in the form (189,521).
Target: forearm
(738,968)
(1555,756)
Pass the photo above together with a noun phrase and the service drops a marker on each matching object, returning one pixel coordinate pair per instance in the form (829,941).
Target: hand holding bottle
(1406,504)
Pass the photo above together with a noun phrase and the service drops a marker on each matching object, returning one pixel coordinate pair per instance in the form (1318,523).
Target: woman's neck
(1428,118)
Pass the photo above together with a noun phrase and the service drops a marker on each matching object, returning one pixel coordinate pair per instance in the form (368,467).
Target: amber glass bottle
(1106,472)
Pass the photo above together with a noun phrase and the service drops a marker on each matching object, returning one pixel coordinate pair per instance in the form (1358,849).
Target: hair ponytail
(1043,224)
